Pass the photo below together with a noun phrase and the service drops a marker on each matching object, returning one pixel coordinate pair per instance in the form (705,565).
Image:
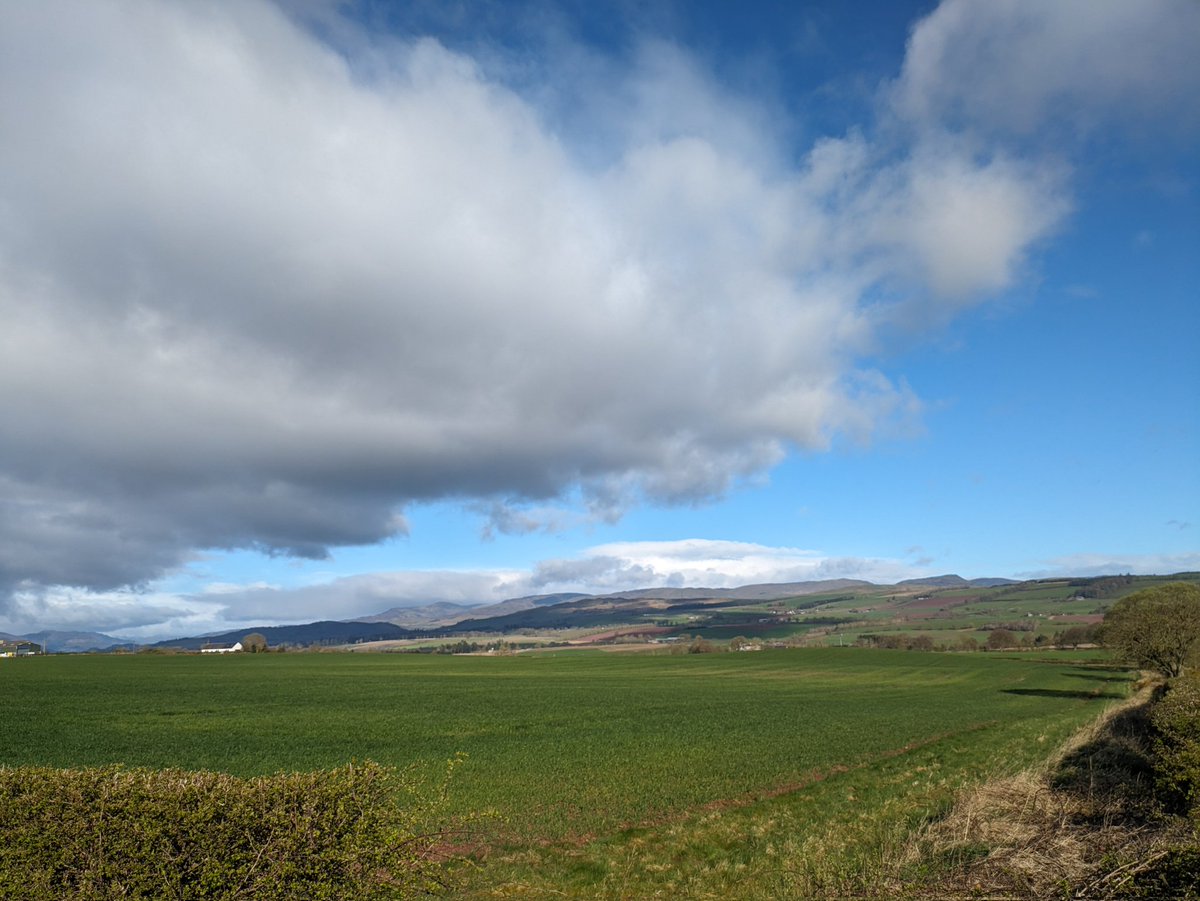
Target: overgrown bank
(1115,816)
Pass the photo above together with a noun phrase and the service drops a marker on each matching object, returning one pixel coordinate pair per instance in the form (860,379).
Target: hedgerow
(1176,721)
(360,831)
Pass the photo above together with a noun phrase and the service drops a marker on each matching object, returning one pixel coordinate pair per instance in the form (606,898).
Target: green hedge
(1176,720)
(362,831)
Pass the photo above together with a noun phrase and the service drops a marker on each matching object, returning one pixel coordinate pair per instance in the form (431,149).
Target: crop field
(559,745)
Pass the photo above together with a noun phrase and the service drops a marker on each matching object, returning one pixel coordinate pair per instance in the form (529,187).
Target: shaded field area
(563,748)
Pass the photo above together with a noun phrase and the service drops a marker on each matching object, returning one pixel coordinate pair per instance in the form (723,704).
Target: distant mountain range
(957,582)
(547,611)
(443,614)
(318,633)
(59,642)
(768,591)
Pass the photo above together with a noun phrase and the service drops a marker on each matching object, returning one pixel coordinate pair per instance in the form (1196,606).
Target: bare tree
(254,643)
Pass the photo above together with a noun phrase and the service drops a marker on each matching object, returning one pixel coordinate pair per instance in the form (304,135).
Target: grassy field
(562,746)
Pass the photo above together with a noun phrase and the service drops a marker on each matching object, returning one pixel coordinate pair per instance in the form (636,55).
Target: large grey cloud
(257,295)
(1023,67)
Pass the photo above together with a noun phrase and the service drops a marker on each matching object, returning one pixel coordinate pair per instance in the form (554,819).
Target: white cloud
(706,563)
(259,295)
(1022,66)
(1088,564)
(348,597)
(967,224)
(603,569)
(126,614)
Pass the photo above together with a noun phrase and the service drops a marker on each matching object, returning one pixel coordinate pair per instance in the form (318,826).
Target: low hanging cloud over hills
(260,290)
(602,569)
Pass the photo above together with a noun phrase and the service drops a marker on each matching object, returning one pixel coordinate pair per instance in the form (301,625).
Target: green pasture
(558,744)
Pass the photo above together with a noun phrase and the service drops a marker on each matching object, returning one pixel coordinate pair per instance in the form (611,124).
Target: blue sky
(313,309)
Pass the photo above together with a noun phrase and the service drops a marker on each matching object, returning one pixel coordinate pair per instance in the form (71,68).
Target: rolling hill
(946,609)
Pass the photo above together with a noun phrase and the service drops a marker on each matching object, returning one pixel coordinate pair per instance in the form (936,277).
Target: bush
(361,831)
(1176,721)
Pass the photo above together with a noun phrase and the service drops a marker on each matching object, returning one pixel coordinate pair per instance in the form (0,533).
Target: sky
(310,309)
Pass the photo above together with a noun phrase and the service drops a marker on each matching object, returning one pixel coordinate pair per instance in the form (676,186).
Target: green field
(559,745)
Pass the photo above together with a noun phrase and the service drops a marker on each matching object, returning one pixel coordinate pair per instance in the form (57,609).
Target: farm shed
(221,648)
(19,649)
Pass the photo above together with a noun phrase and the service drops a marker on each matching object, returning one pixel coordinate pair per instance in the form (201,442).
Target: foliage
(1102,587)
(1157,628)
(998,639)
(360,831)
(1173,872)
(1074,636)
(703,646)
(1176,722)
(897,641)
(254,643)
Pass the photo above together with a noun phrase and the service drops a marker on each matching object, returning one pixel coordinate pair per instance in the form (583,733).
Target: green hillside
(948,610)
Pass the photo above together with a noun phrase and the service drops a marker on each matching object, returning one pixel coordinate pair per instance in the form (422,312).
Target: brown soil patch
(620,633)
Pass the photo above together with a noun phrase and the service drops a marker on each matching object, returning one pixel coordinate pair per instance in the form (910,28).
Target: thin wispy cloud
(1109,564)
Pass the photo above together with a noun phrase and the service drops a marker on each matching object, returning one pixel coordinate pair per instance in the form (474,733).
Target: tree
(1156,628)
(254,642)
(701,646)
(1075,636)
(1001,638)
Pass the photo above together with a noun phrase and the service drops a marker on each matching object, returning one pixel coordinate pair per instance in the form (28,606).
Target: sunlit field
(558,746)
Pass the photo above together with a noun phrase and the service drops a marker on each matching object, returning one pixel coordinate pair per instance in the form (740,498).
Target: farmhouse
(19,649)
(221,648)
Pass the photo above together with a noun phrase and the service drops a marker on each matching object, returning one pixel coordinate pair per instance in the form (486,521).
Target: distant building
(221,648)
(20,649)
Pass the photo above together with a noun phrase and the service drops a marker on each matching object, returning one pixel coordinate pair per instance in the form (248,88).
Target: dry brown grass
(1084,827)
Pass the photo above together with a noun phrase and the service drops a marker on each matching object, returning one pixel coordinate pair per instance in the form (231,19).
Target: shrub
(361,831)
(1176,721)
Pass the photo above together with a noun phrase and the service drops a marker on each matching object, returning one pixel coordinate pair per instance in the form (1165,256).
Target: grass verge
(1093,823)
